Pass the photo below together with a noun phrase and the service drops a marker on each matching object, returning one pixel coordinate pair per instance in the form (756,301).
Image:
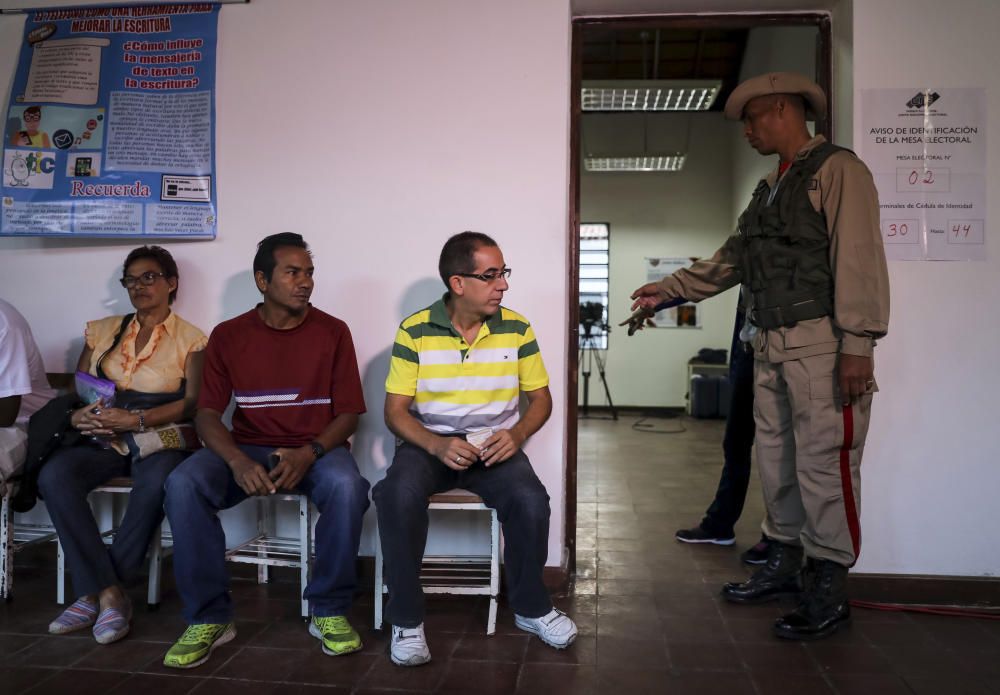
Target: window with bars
(594,263)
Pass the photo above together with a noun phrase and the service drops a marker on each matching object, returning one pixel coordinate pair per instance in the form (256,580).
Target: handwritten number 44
(961,228)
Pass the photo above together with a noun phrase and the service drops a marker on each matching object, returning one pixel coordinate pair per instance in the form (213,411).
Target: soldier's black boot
(823,607)
(780,576)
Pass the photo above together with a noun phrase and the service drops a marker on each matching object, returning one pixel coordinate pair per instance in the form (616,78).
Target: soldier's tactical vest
(786,248)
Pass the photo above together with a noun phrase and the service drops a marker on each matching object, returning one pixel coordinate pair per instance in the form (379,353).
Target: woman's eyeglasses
(130,282)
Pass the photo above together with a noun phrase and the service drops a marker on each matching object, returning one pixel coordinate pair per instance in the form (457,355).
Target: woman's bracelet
(141,414)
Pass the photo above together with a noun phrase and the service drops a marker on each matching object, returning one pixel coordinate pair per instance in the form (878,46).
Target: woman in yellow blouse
(153,359)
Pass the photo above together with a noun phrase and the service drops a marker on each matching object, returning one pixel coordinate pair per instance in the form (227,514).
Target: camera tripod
(589,354)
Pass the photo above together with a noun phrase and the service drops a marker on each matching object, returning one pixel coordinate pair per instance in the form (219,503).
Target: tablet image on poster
(926,148)
(110,124)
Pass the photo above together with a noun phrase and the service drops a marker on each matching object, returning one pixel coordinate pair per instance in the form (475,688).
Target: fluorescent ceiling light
(664,162)
(649,95)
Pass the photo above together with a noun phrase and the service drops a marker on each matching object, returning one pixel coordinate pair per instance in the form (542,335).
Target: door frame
(824,63)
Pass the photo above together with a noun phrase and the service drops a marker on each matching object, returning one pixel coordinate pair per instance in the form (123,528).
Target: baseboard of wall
(558,580)
(908,589)
(916,589)
(604,411)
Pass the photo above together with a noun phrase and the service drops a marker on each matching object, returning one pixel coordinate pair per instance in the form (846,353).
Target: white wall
(408,122)
(930,477)
(416,144)
(683,214)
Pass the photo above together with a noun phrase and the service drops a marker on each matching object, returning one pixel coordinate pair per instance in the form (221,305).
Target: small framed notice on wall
(683,316)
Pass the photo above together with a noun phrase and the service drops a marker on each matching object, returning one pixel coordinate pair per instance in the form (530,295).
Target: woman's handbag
(175,435)
(178,436)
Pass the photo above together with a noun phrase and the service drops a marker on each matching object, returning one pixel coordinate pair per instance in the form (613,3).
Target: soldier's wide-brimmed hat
(777,83)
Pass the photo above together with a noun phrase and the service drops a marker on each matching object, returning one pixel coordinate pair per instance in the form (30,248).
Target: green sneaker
(197,644)
(336,633)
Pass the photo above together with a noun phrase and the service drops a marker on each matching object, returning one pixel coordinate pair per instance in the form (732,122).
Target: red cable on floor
(986,613)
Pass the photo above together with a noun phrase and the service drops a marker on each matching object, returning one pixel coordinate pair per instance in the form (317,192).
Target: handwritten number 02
(927,178)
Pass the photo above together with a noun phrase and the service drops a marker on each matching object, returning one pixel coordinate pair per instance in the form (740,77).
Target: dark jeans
(204,484)
(64,482)
(511,487)
(737,444)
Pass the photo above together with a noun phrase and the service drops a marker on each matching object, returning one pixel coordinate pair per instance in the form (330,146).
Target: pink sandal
(112,625)
(81,614)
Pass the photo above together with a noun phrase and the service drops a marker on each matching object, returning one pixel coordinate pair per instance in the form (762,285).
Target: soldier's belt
(788,316)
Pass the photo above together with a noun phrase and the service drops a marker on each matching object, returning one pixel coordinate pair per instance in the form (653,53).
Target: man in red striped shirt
(293,373)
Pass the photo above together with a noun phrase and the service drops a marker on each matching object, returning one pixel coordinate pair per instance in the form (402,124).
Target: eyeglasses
(32,116)
(492,276)
(146,279)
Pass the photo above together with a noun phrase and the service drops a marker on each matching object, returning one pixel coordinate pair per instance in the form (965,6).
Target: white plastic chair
(454,574)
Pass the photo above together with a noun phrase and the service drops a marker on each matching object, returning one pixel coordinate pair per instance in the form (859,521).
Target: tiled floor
(647,607)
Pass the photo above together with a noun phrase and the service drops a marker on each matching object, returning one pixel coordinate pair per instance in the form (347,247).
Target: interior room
(681,214)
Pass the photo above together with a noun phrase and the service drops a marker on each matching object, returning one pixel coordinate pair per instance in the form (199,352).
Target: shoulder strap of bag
(114,343)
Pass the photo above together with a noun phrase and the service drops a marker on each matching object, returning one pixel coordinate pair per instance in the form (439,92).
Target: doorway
(622,149)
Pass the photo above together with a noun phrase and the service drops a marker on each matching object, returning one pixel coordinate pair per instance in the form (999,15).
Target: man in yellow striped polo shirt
(457,372)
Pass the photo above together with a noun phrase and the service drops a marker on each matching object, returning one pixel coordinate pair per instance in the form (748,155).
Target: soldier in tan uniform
(809,255)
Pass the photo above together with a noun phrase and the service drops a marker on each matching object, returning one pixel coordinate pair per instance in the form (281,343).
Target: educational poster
(927,151)
(110,124)
(685,315)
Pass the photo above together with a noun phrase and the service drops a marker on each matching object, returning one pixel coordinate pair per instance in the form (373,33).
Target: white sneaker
(409,646)
(555,628)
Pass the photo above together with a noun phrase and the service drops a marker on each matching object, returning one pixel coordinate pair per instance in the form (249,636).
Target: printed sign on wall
(927,151)
(110,124)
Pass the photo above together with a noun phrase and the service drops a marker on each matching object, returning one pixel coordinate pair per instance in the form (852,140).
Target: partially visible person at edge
(718,525)
(24,389)
(155,358)
(293,373)
(809,255)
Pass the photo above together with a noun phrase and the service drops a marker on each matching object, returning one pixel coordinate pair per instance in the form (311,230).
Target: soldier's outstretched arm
(703,279)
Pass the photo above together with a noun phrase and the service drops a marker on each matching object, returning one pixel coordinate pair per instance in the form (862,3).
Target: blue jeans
(64,482)
(204,484)
(511,487)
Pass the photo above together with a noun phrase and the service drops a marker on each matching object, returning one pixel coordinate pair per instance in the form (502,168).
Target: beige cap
(777,83)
